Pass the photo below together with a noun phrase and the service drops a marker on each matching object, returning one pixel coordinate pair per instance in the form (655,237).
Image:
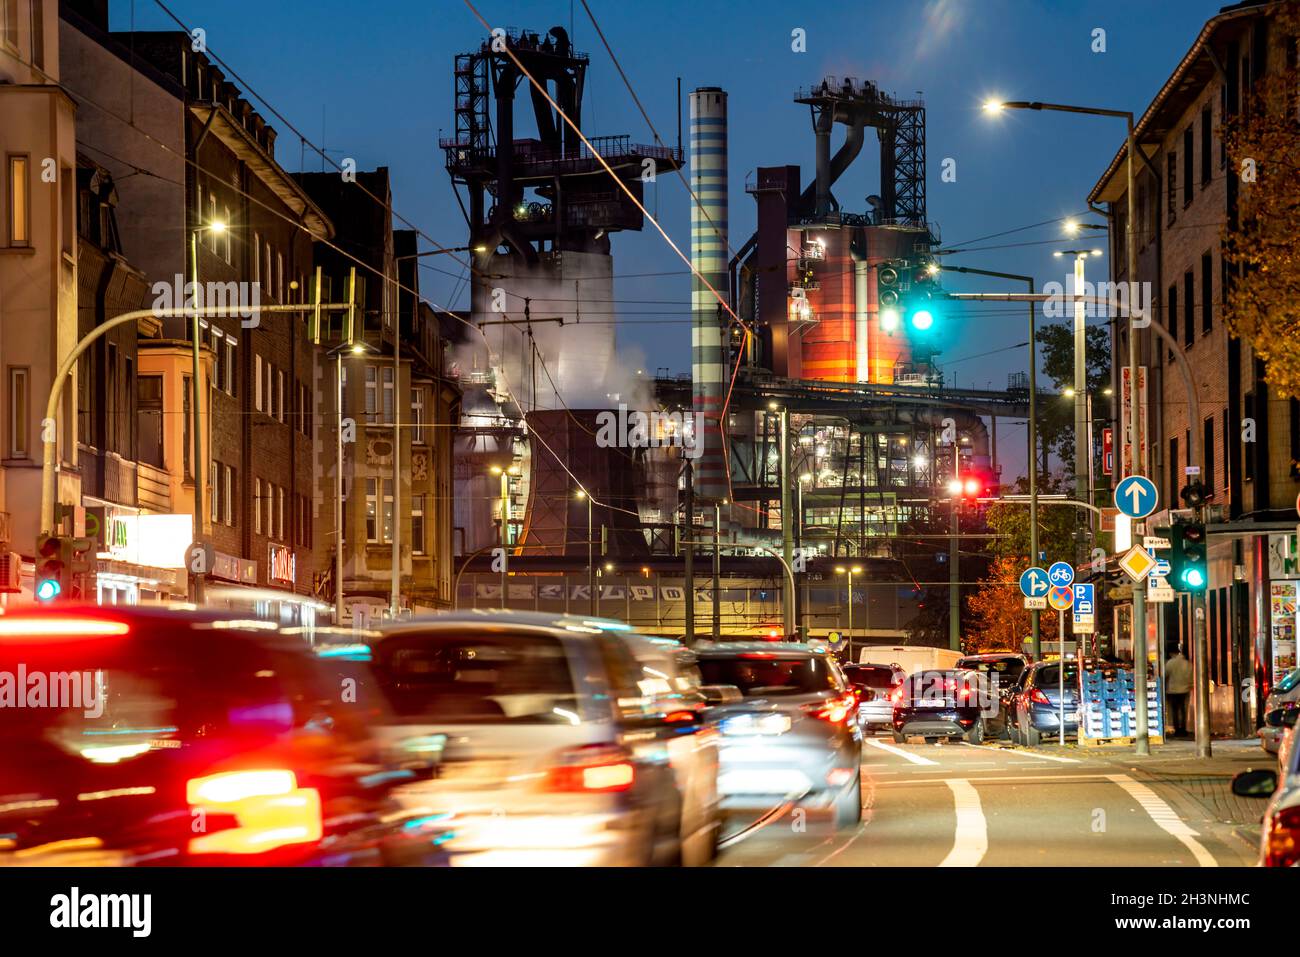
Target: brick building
(1186,194)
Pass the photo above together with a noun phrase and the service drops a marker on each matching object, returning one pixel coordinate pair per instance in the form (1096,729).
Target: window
(225,236)
(1188,171)
(270,395)
(417,414)
(1173,469)
(149,420)
(1171,312)
(1207,291)
(372,399)
(279,277)
(111,397)
(9,23)
(228,495)
(279,394)
(19,201)
(212,218)
(1206,147)
(19,412)
(187,437)
(218,370)
(1189,313)
(266,267)
(417,524)
(1207,449)
(257,257)
(372,511)
(230,365)
(379,515)
(279,513)
(38,34)
(257,506)
(257,383)
(214,486)
(270,510)
(388,394)
(1227,453)
(1171,186)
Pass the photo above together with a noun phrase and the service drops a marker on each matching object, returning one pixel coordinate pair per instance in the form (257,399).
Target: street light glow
(217,226)
(993,106)
(581,494)
(954,486)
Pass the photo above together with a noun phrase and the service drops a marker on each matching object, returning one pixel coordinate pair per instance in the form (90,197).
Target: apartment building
(1186,194)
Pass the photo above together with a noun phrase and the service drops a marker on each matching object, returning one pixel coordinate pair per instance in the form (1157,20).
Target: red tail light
(896,695)
(1282,842)
(591,768)
(267,807)
(1038,697)
(834,710)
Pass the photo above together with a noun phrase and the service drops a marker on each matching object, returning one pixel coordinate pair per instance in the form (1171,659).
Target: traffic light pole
(1201,675)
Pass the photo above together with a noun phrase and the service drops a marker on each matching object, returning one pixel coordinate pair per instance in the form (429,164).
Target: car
(1003,671)
(874,685)
(1279,843)
(1034,708)
(1287,690)
(938,704)
(794,734)
(548,740)
(183,738)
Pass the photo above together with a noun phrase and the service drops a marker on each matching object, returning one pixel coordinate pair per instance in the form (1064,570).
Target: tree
(1263,305)
(996,613)
(1056,417)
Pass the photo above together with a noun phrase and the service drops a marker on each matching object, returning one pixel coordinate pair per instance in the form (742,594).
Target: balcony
(153,488)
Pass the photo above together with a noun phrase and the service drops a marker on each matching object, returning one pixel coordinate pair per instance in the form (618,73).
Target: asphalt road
(961,805)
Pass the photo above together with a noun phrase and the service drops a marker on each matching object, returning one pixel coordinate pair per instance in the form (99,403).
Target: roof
(748,647)
(1185,84)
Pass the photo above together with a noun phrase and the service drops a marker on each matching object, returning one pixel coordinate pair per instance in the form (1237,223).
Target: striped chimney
(708,165)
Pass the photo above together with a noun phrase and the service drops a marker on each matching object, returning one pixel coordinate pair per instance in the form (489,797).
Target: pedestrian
(1178,685)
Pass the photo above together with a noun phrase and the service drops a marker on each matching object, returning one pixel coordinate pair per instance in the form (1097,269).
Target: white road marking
(971,840)
(994,778)
(1165,818)
(899,752)
(1027,754)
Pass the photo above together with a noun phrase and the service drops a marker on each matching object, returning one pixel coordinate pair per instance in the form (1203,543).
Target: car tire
(848,806)
(900,738)
(976,733)
(1032,737)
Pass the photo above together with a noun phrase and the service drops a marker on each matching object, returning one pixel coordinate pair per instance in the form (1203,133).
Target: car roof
(993,656)
(156,621)
(721,648)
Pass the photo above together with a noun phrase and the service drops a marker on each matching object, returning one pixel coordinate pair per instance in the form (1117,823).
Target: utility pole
(787,525)
(717,572)
(954,554)
(688,557)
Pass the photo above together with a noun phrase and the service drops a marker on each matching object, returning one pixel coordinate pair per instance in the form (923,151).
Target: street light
(352,349)
(851,571)
(216,227)
(591,567)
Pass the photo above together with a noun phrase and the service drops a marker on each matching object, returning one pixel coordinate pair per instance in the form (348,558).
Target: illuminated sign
(283,565)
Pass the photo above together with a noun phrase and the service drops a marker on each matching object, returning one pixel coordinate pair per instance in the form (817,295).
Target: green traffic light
(48,590)
(922,320)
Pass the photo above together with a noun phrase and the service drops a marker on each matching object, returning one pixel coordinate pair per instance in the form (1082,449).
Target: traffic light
(972,486)
(52,554)
(889,280)
(1194,493)
(921,301)
(1187,558)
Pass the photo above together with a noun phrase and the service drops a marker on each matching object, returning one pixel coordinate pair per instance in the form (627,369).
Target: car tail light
(1038,697)
(896,695)
(834,710)
(965,693)
(592,768)
(267,807)
(1282,840)
(60,626)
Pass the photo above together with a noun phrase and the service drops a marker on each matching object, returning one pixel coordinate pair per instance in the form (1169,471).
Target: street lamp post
(1134,439)
(787,527)
(591,567)
(850,571)
(1081,443)
(216,227)
(356,349)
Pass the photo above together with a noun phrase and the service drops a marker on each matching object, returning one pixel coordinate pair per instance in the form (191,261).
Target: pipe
(861,303)
(834,166)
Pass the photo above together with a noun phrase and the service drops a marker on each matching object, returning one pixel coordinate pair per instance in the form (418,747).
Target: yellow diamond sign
(1137,562)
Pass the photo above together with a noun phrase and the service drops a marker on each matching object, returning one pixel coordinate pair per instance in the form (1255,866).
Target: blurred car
(182,738)
(1287,690)
(549,740)
(1279,843)
(874,685)
(941,704)
(793,736)
(1002,669)
(1034,709)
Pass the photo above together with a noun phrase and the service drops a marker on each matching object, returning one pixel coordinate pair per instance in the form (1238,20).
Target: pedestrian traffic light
(1187,558)
(51,567)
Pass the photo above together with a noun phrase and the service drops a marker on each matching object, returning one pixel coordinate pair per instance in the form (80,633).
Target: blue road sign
(1033,582)
(1136,496)
(1061,597)
(1161,570)
(1061,573)
(1083,600)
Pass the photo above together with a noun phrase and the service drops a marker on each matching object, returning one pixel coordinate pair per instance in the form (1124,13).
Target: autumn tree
(1262,305)
(996,616)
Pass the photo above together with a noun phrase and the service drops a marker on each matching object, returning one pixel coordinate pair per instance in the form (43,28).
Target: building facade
(1186,196)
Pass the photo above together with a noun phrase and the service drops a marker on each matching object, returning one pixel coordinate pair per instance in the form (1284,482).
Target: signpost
(1061,597)
(1033,583)
(1061,573)
(1136,496)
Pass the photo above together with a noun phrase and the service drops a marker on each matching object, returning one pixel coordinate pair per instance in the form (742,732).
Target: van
(911,658)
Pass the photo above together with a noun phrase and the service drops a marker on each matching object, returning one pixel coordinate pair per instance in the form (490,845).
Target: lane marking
(1165,817)
(1027,754)
(970,841)
(899,752)
(995,778)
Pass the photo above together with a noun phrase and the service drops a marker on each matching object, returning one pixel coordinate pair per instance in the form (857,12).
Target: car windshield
(1050,675)
(764,674)
(455,676)
(1009,667)
(876,678)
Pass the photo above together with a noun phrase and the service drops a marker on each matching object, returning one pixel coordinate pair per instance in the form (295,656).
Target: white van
(911,658)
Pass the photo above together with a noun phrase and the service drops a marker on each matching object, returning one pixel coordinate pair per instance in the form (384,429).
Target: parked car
(793,736)
(1279,843)
(1002,669)
(549,741)
(183,738)
(1287,690)
(941,704)
(1034,709)
(874,685)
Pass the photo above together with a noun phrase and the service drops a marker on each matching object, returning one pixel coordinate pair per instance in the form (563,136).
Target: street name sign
(1154,543)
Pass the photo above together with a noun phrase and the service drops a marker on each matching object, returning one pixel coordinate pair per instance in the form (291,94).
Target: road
(956,804)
